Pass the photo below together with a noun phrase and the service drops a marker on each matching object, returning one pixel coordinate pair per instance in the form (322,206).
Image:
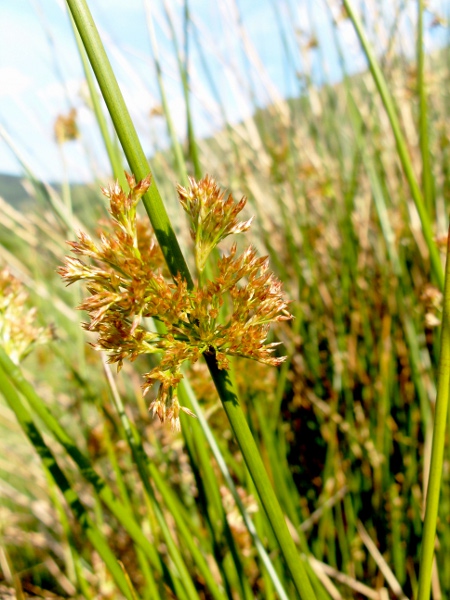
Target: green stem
(260,478)
(83,463)
(427,179)
(400,141)
(128,137)
(437,451)
(76,563)
(177,150)
(183,67)
(189,399)
(170,503)
(111,149)
(177,265)
(140,460)
(150,591)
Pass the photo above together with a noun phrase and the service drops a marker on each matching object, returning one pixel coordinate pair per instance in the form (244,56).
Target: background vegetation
(344,426)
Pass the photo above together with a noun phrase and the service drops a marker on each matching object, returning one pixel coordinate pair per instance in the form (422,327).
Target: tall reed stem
(128,137)
(51,465)
(169,245)
(427,175)
(400,141)
(437,451)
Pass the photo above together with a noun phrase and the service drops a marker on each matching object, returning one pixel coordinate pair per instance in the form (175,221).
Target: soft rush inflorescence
(226,315)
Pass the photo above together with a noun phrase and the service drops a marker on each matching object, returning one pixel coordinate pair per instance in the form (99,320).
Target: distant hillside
(21,193)
(12,190)
(267,125)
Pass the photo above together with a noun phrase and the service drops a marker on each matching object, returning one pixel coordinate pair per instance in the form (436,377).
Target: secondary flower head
(128,282)
(66,128)
(18,333)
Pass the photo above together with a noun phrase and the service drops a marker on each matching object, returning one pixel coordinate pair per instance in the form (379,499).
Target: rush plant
(179,271)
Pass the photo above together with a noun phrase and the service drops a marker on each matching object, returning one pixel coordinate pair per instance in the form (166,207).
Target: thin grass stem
(402,149)
(92,532)
(140,460)
(438,445)
(83,463)
(111,149)
(171,504)
(183,67)
(189,399)
(427,175)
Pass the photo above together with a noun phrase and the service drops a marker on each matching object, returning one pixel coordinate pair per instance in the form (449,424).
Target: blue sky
(41,75)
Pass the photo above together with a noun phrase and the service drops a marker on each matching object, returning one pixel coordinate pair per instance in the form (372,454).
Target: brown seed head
(128,283)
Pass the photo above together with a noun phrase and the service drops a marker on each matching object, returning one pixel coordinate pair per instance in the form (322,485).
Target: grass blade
(402,149)
(437,452)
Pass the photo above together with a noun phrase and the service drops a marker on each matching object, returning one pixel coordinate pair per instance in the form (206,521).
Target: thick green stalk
(177,265)
(260,478)
(402,149)
(93,534)
(437,452)
(128,137)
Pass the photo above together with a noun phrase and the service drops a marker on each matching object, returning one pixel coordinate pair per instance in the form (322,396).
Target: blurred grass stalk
(180,163)
(425,208)
(177,265)
(105,493)
(427,173)
(437,453)
(50,464)
(402,149)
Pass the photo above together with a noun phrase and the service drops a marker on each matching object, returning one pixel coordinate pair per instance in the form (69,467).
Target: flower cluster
(213,217)
(229,315)
(66,128)
(18,333)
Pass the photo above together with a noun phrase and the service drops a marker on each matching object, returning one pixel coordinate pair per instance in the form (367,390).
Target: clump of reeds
(348,202)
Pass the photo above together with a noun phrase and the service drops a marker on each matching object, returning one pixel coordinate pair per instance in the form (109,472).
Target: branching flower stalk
(128,282)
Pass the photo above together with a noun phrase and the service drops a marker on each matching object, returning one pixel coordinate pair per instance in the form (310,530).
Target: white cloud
(56,92)
(14,82)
